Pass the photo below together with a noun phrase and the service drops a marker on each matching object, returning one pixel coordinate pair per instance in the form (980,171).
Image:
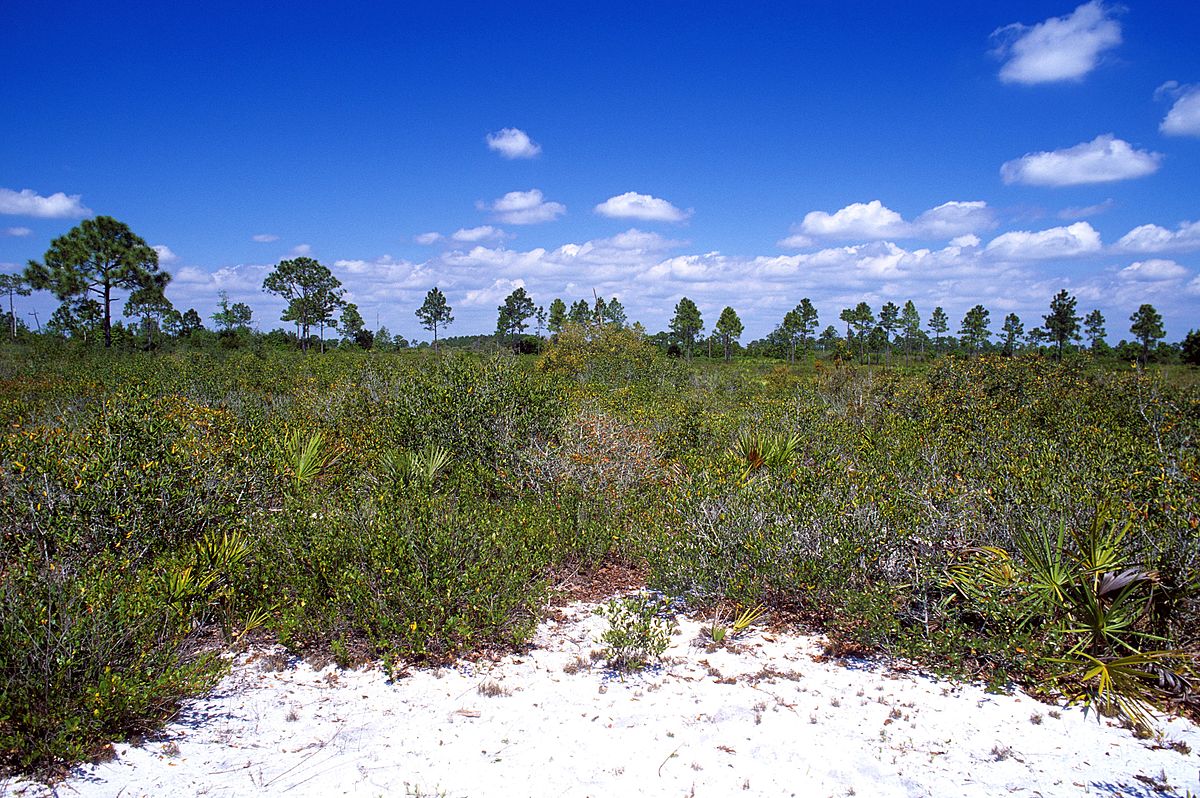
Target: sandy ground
(761,717)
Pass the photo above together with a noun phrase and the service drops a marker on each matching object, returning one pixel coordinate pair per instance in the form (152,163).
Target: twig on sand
(668,759)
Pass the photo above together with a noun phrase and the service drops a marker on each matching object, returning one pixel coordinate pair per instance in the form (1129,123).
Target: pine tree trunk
(107,316)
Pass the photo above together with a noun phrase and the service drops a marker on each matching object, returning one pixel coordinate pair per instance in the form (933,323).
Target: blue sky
(749,154)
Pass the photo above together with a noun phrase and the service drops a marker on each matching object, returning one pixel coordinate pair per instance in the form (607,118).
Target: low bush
(88,657)
(639,630)
(412,575)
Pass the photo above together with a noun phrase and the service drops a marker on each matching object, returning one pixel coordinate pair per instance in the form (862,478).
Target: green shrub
(637,631)
(87,657)
(414,575)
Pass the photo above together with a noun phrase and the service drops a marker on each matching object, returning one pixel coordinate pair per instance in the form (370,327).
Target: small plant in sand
(637,631)
(719,632)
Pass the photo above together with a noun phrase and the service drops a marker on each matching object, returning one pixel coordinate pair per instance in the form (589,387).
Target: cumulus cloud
(513,143)
(873,221)
(1153,270)
(264,238)
(1057,242)
(858,220)
(632,205)
(524,207)
(1153,238)
(1101,160)
(301,251)
(952,219)
(165,255)
(494,293)
(474,235)
(1060,48)
(1184,117)
(17,232)
(425,239)
(27,202)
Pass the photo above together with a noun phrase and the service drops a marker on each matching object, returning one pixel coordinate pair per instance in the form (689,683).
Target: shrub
(411,575)
(87,657)
(604,353)
(637,631)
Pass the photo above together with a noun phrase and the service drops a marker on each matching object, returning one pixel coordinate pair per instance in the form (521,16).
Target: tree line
(100,256)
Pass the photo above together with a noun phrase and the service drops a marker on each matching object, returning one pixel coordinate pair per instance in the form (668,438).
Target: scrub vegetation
(1017,519)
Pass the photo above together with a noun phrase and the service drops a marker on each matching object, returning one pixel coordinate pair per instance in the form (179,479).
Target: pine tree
(1062,324)
(910,324)
(312,292)
(939,325)
(94,258)
(434,314)
(579,313)
(729,328)
(974,331)
(557,317)
(687,323)
(1093,327)
(1013,329)
(889,320)
(514,315)
(614,314)
(1147,327)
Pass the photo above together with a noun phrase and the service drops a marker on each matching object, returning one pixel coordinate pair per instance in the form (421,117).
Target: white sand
(765,719)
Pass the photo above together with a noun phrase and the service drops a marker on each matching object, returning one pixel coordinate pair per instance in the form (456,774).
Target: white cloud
(1060,48)
(1087,210)
(965,241)
(513,143)
(610,257)
(17,232)
(524,207)
(165,255)
(191,274)
(29,203)
(264,238)
(474,235)
(1184,117)
(1102,160)
(634,239)
(425,239)
(859,220)
(1153,238)
(1153,270)
(954,219)
(632,205)
(796,241)
(494,293)
(1057,242)
(301,251)
(873,221)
